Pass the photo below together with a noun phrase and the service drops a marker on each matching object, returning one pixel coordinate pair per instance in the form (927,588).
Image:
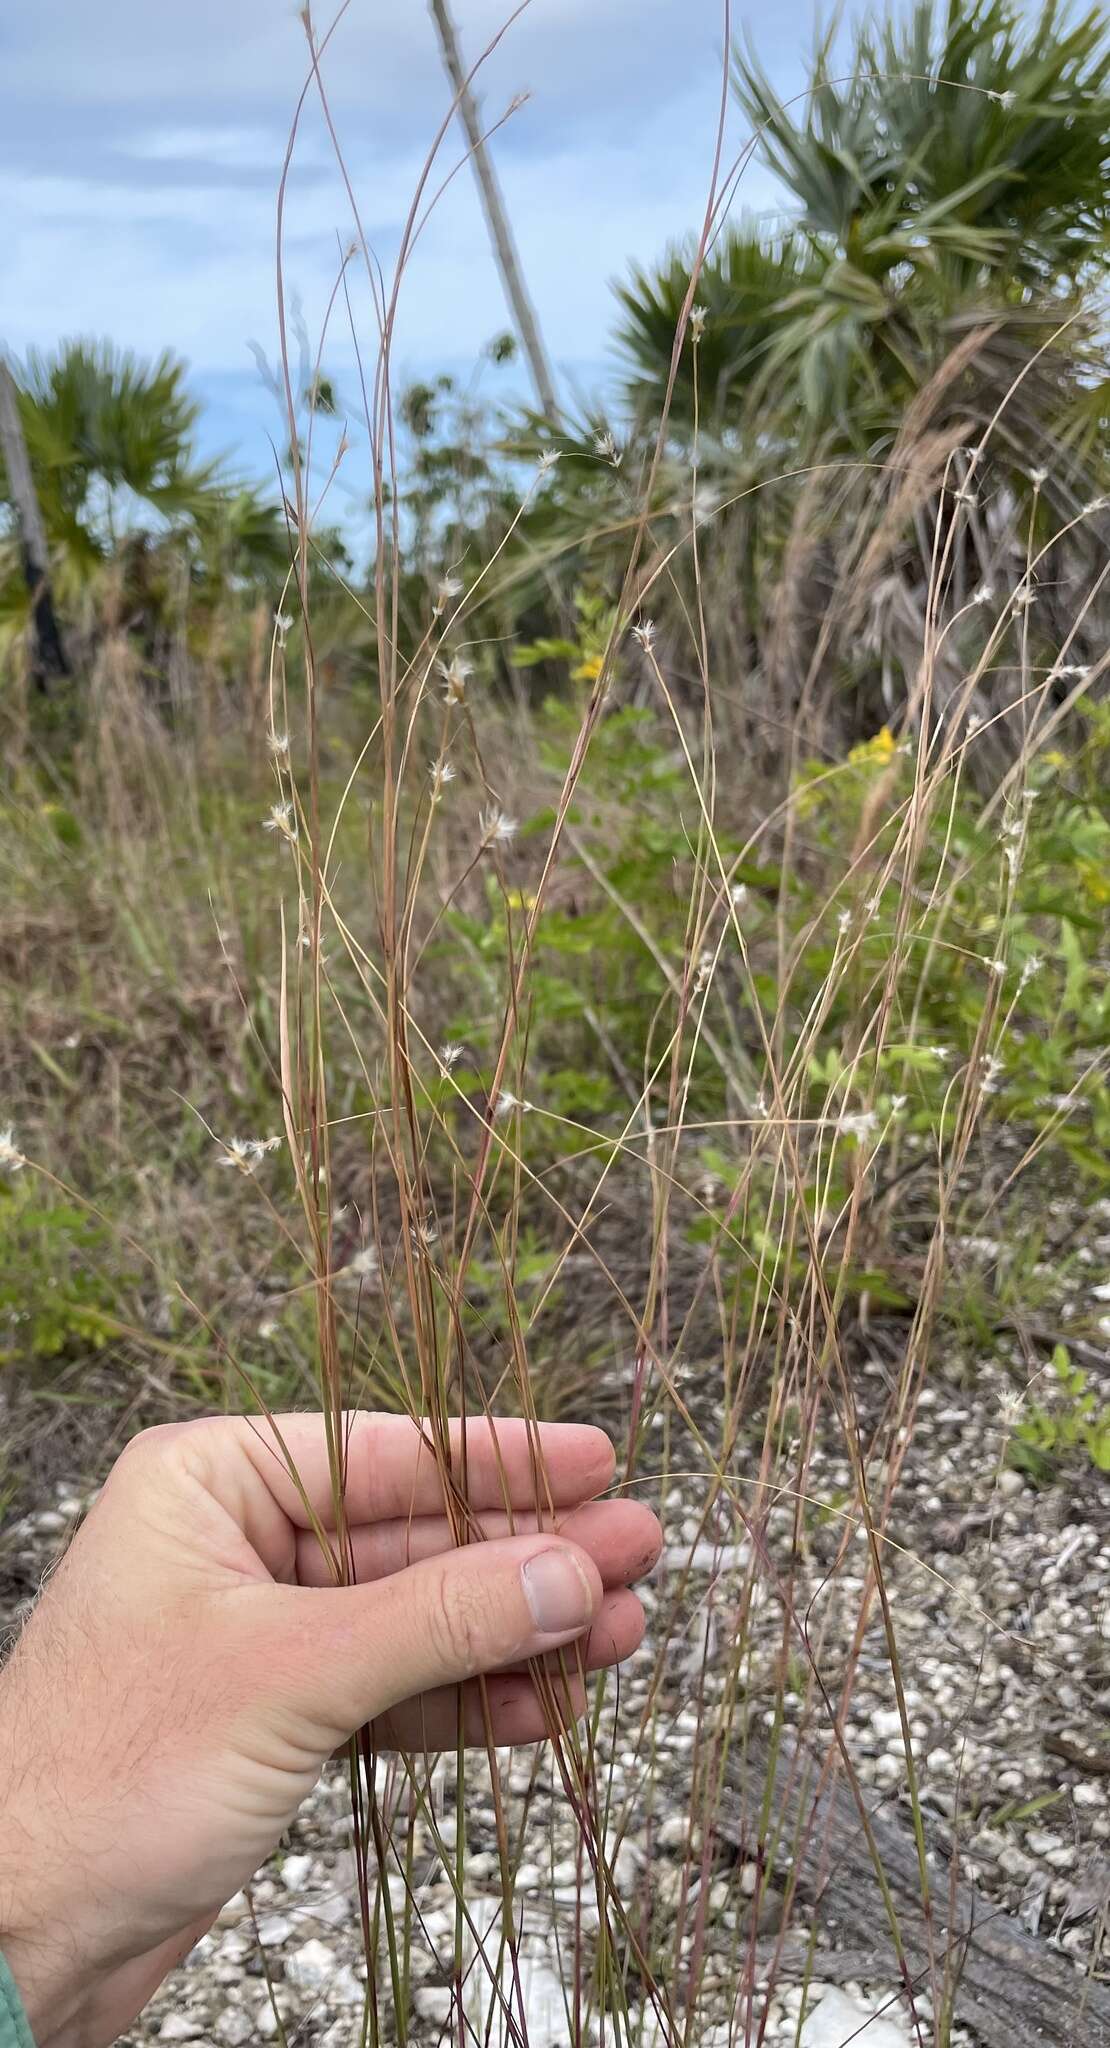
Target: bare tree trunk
(501,234)
(48,656)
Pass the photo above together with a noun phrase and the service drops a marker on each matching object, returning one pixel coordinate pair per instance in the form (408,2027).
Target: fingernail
(557,1591)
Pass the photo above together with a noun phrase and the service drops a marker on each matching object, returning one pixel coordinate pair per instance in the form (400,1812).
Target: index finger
(392,1469)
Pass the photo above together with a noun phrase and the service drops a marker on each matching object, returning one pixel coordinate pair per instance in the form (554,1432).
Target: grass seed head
(11,1158)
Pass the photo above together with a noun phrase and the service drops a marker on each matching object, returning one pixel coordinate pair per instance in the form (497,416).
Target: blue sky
(140,144)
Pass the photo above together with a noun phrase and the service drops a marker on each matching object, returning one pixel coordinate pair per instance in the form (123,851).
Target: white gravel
(1001,1604)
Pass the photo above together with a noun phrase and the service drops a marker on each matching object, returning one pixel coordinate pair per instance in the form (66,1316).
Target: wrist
(48,1995)
(14,2025)
(38,1936)
(51,1982)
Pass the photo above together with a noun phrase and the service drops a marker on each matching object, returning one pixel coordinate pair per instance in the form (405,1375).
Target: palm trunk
(497,220)
(48,655)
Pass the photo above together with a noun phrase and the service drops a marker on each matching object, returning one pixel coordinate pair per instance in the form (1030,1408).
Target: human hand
(192,1665)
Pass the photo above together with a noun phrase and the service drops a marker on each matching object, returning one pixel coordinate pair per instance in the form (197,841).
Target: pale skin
(192,1666)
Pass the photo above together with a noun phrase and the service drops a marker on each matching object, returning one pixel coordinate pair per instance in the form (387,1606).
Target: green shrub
(1071,1426)
(998,994)
(58,1293)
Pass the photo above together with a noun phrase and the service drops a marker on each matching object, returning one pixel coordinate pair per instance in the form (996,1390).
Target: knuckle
(153,1450)
(457,1622)
(148,1446)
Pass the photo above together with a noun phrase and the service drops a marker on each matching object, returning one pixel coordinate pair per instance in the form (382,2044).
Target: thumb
(452,1617)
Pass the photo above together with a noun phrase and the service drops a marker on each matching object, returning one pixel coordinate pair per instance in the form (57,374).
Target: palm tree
(48,655)
(937,284)
(954,163)
(111,443)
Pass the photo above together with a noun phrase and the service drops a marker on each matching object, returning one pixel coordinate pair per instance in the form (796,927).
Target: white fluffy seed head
(245,1154)
(282,819)
(497,829)
(11,1158)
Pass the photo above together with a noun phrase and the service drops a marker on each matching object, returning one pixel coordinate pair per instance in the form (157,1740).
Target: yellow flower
(520,899)
(878,750)
(589,670)
(1095,881)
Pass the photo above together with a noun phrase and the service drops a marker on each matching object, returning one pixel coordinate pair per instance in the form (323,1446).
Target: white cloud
(235,149)
(212,53)
(138,168)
